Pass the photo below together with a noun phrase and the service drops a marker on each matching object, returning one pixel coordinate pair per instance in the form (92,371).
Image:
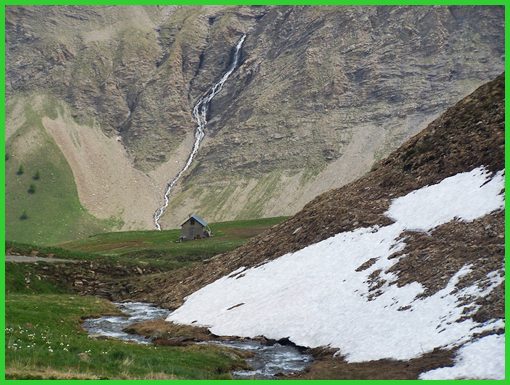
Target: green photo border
(7,3)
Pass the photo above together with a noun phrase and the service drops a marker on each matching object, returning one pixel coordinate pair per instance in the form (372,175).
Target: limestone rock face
(320,95)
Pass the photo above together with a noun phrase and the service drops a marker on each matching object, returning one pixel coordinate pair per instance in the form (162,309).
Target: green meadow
(154,248)
(44,340)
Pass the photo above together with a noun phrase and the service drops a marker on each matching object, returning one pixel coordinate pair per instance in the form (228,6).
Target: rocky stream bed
(268,360)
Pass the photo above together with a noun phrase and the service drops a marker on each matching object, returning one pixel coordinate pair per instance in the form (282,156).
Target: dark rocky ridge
(468,135)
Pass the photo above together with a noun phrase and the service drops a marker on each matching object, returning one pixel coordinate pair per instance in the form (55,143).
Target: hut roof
(197,218)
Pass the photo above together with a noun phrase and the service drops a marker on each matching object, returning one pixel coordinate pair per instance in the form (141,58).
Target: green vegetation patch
(26,278)
(162,248)
(158,249)
(261,193)
(44,340)
(42,204)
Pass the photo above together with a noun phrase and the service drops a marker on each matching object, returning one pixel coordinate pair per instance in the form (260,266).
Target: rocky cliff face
(129,68)
(321,93)
(325,92)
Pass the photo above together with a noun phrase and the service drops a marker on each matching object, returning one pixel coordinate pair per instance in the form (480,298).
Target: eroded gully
(200,111)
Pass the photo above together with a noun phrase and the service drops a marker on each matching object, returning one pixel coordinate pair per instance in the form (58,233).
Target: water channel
(267,362)
(200,111)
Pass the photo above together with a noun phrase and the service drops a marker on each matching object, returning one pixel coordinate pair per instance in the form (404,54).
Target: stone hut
(195,227)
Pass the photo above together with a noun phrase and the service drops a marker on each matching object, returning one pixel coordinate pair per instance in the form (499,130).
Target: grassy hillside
(42,204)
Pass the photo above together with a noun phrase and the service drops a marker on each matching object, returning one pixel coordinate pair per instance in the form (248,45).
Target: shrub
(20,171)
(36,176)
(31,189)
(23,216)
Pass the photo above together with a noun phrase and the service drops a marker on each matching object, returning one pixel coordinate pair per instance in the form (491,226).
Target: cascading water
(200,116)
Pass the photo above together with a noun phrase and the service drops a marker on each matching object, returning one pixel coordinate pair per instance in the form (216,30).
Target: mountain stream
(267,361)
(200,116)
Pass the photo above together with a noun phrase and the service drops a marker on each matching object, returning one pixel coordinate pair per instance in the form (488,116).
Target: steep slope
(418,242)
(109,87)
(466,136)
(321,93)
(323,294)
(324,92)
(42,204)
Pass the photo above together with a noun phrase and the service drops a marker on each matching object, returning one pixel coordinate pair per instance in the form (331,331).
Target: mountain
(100,99)
(403,267)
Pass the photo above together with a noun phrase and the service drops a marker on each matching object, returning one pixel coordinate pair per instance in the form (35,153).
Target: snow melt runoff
(315,297)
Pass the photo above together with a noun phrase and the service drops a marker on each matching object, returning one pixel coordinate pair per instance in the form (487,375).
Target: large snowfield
(315,297)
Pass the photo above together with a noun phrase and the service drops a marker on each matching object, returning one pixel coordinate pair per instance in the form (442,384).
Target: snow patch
(465,196)
(315,297)
(480,359)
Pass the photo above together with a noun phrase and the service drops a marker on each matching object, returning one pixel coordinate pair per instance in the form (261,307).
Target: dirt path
(27,259)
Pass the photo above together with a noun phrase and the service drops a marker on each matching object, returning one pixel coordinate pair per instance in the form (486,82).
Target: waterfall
(200,116)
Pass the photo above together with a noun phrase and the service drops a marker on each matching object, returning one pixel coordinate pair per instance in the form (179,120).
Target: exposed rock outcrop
(320,95)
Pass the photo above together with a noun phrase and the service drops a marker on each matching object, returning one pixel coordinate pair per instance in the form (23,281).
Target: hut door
(192,232)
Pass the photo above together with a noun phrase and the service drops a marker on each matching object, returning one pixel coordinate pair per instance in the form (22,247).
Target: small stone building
(195,228)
